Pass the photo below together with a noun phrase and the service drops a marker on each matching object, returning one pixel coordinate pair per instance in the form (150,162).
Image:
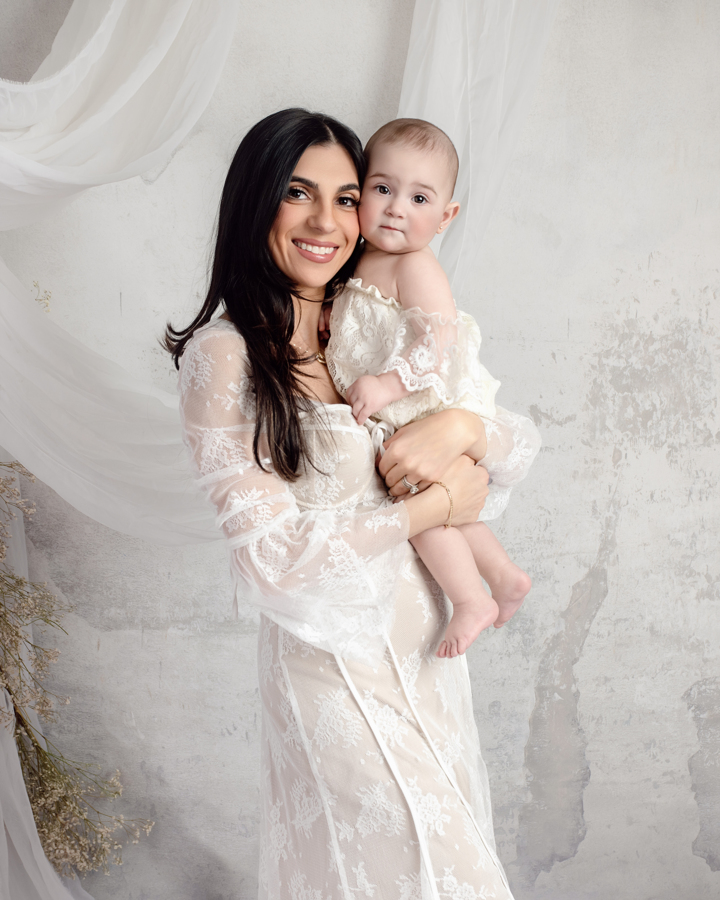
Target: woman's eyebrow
(352,186)
(306,181)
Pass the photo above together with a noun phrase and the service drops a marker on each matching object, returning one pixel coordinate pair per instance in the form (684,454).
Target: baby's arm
(420,283)
(371,393)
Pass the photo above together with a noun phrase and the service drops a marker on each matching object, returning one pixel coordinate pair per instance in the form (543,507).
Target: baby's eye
(382,189)
(419,199)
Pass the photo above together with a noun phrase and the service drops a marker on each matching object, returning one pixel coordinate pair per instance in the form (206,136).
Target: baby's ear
(451,210)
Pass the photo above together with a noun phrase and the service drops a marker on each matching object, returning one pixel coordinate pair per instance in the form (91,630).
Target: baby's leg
(508,583)
(451,563)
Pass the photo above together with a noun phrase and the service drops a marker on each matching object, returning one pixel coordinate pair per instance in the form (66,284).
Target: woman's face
(316,228)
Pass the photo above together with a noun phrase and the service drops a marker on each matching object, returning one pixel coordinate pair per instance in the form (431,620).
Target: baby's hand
(369,394)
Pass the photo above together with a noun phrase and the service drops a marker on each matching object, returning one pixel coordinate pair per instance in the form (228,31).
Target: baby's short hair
(419,134)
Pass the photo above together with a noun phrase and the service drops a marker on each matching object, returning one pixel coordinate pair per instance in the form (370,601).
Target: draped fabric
(107,442)
(471,69)
(124,83)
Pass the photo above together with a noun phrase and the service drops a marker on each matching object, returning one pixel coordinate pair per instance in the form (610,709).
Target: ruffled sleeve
(326,576)
(431,352)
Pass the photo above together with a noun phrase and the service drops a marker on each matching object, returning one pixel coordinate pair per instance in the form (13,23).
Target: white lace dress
(437,360)
(372,779)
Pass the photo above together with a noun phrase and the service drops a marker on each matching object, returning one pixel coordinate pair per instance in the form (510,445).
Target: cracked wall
(597,290)
(703,700)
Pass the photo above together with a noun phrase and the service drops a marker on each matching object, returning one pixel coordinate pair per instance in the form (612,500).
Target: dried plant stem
(65,796)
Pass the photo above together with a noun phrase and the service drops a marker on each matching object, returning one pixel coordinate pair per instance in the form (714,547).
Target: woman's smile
(316,251)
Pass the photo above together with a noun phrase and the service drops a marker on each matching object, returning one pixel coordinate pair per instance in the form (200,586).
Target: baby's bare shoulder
(422,282)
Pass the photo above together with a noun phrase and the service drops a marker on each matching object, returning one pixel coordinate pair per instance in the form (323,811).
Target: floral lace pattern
(370,783)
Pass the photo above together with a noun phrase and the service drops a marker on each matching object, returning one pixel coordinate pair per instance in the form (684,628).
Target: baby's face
(406,198)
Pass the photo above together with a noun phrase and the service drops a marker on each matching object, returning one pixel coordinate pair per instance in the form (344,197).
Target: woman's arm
(326,576)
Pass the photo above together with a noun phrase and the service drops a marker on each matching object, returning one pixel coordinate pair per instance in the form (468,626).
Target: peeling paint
(655,387)
(552,823)
(703,700)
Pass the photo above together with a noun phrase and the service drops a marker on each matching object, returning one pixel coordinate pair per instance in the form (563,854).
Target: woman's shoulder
(214,349)
(219,334)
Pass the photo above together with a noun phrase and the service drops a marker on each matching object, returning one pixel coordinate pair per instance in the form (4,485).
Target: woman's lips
(316,251)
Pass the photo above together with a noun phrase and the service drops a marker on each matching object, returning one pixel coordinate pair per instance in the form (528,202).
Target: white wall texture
(597,292)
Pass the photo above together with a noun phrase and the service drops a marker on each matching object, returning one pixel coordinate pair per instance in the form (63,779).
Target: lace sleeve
(326,576)
(513,442)
(442,354)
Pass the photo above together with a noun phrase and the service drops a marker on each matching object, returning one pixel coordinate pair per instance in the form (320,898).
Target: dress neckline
(373,291)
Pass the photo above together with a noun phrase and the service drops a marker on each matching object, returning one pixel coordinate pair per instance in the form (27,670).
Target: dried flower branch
(76,835)
(44,298)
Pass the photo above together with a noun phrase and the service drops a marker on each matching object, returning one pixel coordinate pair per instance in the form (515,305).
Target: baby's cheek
(365,214)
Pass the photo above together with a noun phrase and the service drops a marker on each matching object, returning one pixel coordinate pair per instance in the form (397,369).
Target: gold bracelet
(449,521)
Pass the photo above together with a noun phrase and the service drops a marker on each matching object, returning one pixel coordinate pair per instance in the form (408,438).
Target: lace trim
(373,292)
(414,382)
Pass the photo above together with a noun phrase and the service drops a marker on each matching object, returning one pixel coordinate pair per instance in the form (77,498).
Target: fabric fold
(105,441)
(123,85)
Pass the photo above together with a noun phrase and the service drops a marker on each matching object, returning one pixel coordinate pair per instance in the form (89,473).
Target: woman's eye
(296,193)
(349,202)
(419,199)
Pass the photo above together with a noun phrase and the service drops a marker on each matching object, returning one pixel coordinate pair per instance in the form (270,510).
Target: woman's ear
(451,210)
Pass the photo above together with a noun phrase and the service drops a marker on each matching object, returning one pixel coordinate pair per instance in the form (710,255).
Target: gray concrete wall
(597,292)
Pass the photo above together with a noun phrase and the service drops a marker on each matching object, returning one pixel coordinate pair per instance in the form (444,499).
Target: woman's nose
(323,218)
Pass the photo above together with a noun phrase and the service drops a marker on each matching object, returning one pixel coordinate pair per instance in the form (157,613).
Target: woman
(372,781)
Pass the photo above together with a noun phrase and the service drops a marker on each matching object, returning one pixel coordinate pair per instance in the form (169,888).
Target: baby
(399,351)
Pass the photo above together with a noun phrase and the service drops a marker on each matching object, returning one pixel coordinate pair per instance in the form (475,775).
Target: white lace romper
(438,362)
(372,783)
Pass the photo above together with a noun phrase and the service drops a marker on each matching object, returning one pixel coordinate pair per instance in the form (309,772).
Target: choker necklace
(312,357)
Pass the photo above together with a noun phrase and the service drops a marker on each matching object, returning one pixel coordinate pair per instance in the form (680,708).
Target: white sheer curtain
(105,441)
(471,69)
(124,83)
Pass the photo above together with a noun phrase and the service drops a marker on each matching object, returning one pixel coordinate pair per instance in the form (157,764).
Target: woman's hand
(467,484)
(424,451)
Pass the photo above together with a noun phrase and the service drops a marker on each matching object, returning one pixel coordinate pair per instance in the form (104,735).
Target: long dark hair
(256,294)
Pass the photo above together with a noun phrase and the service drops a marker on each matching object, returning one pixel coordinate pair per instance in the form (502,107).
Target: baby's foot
(509,586)
(469,618)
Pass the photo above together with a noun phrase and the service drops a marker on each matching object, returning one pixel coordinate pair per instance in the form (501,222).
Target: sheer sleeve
(513,442)
(325,575)
(444,355)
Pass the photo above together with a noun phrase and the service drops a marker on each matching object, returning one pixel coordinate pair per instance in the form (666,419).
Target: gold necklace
(312,357)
